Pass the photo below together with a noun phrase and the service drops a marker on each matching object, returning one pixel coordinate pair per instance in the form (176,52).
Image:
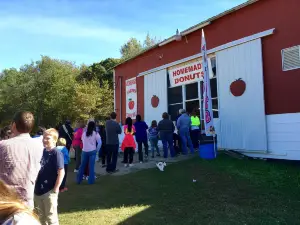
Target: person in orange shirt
(128,144)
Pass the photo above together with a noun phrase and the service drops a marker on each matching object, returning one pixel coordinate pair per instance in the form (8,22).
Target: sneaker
(87,177)
(125,165)
(96,177)
(103,166)
(141,161)
(131,165)
(75,171)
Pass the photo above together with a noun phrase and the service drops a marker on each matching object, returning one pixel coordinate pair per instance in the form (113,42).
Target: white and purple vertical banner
(207,102)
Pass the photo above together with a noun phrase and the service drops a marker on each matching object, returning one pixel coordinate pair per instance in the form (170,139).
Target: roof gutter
(183,33)
(201,25)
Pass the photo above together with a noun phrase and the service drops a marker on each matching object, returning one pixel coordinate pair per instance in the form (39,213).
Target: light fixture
(178,36)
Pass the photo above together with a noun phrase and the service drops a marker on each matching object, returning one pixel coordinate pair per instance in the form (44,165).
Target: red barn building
(255,47)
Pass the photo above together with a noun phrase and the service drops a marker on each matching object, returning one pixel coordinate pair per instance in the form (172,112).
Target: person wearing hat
(184,125)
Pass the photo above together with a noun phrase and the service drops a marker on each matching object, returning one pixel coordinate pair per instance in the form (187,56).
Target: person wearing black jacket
(103,151)
(66,132)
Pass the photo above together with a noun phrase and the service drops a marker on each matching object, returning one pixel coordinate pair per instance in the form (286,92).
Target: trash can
(208,150)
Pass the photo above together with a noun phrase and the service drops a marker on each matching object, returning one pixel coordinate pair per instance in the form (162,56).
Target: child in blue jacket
(61,145)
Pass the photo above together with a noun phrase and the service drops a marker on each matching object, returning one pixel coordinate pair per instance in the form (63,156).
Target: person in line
(97,129)
(113,129)
(176,135)
(20,157)
(103,150)
(61,146)
(166,129)
(183,126)
(39,133)
(77,144)
(49,179)
(195,129)
(176,141)
(86,172)
(66,132)
(5,133)
(90,138)
(153,138)
(128,144)
(141,137)
(13,210)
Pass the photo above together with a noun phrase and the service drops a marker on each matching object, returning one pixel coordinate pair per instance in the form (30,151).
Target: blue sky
(87,31)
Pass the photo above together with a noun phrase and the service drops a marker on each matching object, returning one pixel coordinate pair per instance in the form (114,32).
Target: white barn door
(242,119)
(155,84)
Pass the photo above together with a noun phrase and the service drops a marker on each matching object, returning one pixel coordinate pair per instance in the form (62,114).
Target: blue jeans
(186,141)
(153,142)
(87,157)
(112,157)
(167,139)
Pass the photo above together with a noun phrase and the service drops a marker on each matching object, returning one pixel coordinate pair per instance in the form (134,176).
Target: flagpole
(207,101)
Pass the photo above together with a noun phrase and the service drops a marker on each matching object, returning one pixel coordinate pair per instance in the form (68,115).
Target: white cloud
(69,28)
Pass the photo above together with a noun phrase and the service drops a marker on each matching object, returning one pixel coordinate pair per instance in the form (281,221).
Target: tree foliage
(55,90)
(50,89)
(102,71)
(133,47)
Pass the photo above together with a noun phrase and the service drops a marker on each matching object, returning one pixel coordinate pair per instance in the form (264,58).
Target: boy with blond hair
(49,179)
(61,146)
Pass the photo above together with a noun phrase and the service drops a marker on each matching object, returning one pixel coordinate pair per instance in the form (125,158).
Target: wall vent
(291,58)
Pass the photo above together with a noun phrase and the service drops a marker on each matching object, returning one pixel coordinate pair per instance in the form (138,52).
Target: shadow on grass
(226,191)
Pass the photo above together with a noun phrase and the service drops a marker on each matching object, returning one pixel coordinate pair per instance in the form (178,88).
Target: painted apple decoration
(154,101)
(238,87)
(131,104)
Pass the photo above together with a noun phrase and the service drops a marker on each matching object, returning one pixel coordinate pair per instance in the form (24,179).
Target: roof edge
(191,29)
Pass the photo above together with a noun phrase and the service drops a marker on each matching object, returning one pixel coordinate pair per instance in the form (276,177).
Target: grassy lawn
(228,191)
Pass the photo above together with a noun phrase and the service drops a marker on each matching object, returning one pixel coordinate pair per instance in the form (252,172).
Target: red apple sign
(154,101)
(238,87)
(131,104)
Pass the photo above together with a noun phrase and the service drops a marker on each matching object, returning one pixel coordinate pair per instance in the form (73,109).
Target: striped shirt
(20,159)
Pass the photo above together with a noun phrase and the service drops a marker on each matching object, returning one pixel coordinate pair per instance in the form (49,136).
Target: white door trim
(216,49)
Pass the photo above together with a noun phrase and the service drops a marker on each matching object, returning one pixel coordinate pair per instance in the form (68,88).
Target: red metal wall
(281,88)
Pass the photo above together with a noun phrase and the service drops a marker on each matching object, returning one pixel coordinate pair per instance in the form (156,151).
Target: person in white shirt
(90,138)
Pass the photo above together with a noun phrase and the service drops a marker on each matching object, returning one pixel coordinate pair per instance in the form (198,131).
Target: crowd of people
(33,168)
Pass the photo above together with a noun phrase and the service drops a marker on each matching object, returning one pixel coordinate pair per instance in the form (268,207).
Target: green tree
(131,48)
(102,71)
(150,41)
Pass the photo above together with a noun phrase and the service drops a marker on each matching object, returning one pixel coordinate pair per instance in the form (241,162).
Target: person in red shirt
(128,144)
(77,144)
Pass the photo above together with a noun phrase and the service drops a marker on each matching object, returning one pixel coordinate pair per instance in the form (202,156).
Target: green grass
(228,191)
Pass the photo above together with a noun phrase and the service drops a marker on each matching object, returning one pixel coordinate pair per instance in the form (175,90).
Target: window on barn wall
(190,96)
(175,100)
